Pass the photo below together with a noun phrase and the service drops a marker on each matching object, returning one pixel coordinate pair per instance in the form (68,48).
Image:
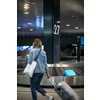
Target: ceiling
(30,17)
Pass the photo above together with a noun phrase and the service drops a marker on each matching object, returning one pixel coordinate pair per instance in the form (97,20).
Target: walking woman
(40,69)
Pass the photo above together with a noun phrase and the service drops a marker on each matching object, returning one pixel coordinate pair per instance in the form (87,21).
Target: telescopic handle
(53,83)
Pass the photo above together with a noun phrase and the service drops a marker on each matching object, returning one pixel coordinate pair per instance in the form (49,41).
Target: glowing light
(67,24)
(26,12)
(19,27)
(58,21)
(49,65)
(42,21)
(26,6)
(31,29)
(29,23)
(37,21)
(76,27)
(58,65)
(64,65)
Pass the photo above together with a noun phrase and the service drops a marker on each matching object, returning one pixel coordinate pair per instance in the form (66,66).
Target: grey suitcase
(65,91)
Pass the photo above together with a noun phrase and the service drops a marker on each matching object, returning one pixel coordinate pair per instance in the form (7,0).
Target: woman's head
(37,43)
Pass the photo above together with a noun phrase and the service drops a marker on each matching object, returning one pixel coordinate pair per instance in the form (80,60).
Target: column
(52,30)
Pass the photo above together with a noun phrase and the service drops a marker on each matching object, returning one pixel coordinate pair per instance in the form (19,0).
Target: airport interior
(59,24)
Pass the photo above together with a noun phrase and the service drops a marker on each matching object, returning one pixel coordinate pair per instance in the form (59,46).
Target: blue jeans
(35,85)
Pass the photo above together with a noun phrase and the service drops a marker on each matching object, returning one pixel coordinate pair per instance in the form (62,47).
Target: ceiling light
(73,16)
(33,3)
(19,27)
(67,24)
(76,27)
(26,6)
(58,21)
(29,23)
(26,12)
(31,29)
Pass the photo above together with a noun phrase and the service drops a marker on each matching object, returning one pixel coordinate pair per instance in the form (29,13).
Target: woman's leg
(41,90)
(35,85)
(38,88)
(47,95)
(33,82)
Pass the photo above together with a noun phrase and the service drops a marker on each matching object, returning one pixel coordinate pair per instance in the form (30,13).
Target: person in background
(40,69)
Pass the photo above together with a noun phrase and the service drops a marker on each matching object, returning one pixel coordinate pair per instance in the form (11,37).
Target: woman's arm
(46,67)
(30,59)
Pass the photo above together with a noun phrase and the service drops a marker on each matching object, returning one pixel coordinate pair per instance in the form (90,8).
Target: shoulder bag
(29,69)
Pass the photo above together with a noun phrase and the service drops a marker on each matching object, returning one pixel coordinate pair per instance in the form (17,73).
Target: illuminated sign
(77,40)
(56,29)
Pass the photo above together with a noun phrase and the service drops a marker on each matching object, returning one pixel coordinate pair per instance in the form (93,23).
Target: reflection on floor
(24,93)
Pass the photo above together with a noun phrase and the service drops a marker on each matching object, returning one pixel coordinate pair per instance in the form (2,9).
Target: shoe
(51,98)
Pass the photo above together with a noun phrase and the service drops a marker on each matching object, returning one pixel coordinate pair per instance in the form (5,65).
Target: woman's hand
(27,56)
(48,75)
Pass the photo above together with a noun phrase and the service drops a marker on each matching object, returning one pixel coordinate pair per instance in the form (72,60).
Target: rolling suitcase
(65,91)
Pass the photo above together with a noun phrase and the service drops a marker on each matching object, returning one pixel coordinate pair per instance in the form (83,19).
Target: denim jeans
(35,85)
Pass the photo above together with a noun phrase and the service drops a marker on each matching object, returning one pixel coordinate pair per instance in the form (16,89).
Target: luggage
(65,91)
(69,73)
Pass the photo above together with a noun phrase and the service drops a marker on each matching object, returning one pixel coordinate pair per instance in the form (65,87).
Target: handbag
(29,69)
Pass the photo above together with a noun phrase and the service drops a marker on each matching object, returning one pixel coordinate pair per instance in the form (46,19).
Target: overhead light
(58,21)
(33,3)
(19,27)
(26,12)
(29,23)
(73,16)
(26,6)
(76,27)
(67,24)
(31,29)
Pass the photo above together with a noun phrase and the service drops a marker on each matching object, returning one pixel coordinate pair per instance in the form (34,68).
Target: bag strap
(38,54)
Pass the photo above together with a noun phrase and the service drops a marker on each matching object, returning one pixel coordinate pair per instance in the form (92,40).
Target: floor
(24,93)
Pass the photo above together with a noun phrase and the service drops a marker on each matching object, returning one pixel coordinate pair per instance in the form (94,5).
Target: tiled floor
(24,93)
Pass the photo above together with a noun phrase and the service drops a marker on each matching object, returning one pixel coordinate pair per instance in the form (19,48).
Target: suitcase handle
(53,83)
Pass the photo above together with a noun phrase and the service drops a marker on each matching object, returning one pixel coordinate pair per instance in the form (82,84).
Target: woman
(41,67)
